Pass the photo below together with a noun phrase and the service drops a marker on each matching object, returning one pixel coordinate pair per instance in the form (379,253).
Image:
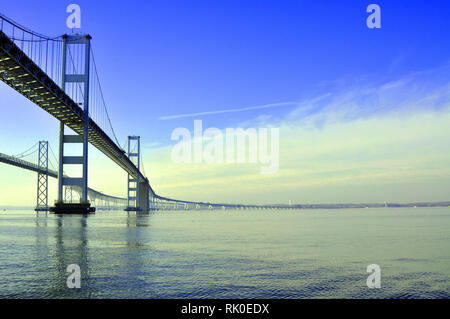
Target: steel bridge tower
(72,77)
(138,190)
(134,184)
(42,179)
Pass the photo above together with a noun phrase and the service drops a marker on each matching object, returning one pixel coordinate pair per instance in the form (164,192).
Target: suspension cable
(24,29)
(143,167)
(21,155)
(103,98)
(53,154)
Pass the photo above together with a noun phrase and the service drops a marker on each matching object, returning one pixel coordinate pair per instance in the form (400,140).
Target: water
(233,254)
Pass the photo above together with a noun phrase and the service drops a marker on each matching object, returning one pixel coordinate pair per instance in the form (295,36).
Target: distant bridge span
(93,194)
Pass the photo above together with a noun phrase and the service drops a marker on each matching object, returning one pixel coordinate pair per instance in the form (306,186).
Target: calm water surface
(233,254)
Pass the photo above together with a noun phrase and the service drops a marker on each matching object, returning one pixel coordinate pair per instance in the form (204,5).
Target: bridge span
(60,76)
(94,196)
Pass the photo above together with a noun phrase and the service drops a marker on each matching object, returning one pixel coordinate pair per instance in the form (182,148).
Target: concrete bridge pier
(144,196)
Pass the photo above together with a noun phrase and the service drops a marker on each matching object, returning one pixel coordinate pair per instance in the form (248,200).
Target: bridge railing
(44,51)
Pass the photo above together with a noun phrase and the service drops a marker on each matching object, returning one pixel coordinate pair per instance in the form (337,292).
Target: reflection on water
(232,254)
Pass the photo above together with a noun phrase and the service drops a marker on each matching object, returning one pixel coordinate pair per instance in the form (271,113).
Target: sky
(363,114)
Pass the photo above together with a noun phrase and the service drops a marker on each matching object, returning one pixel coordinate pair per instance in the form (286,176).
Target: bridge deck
(23,75)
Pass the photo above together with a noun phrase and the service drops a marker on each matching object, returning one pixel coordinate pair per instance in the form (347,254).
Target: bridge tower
(42,180)
(72,77)
(68,195)
(138,190)
(134,184)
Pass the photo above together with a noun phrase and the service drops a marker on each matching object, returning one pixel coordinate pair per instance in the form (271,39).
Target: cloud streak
(250,108)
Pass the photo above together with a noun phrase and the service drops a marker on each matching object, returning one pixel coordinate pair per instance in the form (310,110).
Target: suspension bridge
(45,168)
(59,75)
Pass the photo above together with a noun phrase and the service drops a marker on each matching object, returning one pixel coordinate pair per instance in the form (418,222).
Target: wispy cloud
(413,93)
(358,142)
(232,110)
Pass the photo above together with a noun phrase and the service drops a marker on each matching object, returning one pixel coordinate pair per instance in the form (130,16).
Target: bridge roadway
(23,75)
(26,77)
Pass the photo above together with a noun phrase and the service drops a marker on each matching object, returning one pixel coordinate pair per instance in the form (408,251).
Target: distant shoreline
(314,206)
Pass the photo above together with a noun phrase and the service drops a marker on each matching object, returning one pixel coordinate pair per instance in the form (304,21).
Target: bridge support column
(42,181)
(144,200)
(72,77)
(138,190)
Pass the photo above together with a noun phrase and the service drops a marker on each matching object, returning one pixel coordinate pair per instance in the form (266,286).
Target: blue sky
(163,58)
